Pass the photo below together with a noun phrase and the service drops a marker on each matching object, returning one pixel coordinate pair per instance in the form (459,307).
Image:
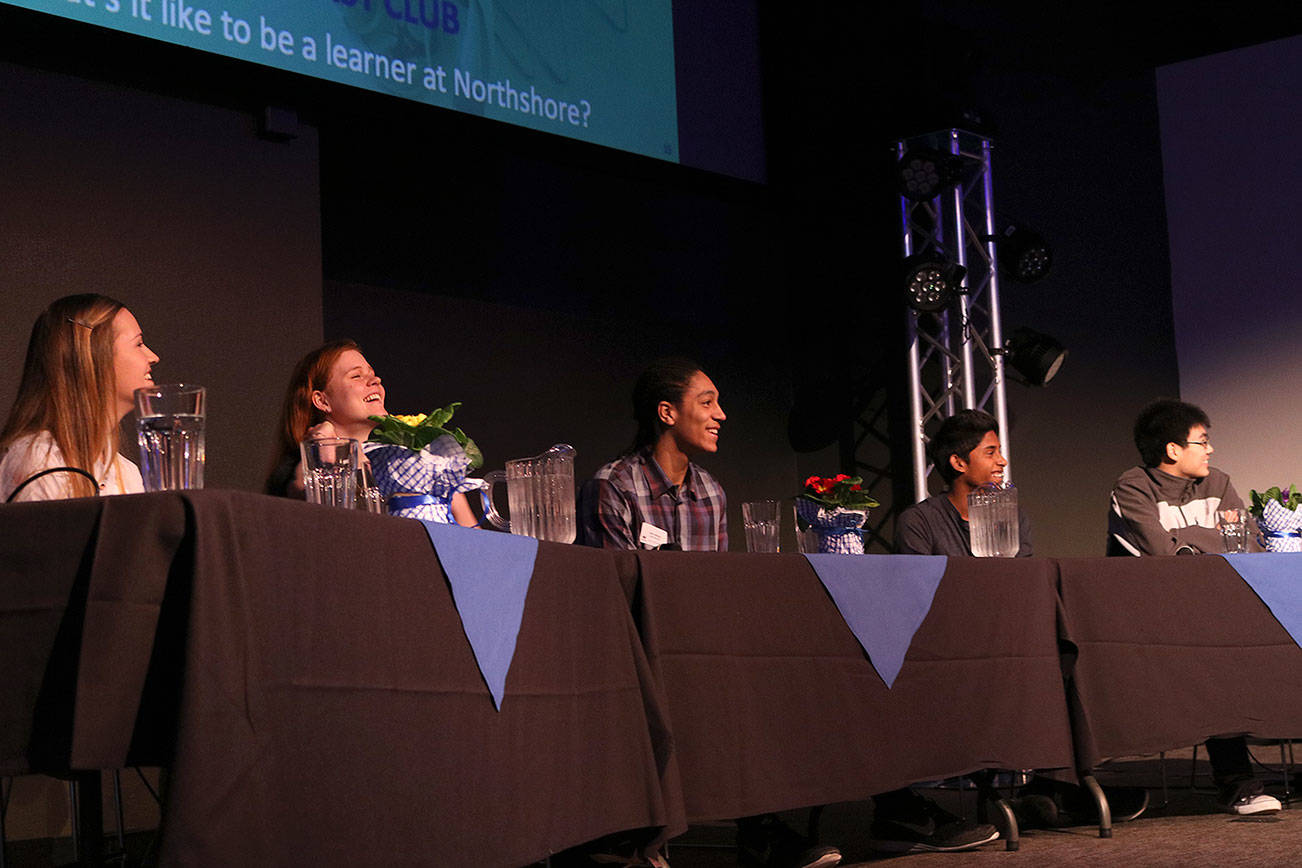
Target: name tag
(651,536)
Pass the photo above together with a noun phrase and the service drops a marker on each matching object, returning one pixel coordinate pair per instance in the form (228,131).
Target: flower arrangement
(831,492)
(419,464)
(1290,500)
(1278,518)
(418,431)
(835,507)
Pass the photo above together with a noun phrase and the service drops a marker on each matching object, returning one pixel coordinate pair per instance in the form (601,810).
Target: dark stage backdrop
(529,378)
(1230,133)
(208,233)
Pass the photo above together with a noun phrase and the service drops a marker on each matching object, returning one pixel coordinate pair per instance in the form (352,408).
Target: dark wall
(207,232)
(528,378)
(1079,159)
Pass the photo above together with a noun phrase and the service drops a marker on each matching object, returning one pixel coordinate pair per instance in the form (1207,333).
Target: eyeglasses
(1205,443)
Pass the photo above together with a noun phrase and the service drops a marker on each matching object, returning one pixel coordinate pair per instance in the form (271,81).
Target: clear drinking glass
(763,525)
(169,429)
(1234,529)
(369,497)
(806,540)
(330,470)
(992,521)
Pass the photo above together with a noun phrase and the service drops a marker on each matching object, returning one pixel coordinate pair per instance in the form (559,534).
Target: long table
(1173,650)
(773,703)
(304,674)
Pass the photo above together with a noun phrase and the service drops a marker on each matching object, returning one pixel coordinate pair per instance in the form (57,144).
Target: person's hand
(323,431)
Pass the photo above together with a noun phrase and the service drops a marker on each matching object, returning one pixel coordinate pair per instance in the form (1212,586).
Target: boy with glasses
(1169,506)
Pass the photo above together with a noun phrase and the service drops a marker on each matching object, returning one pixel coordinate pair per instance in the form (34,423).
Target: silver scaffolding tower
(955,355)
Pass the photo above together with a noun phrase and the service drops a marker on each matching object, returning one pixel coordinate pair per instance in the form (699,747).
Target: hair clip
(79,323)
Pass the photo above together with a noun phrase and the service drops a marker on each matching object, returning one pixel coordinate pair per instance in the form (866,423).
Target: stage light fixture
(1024,255)
(1034,355)
(931,284)
(925,173)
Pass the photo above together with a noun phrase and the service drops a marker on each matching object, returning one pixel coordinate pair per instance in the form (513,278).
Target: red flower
(812,482)
(856,487)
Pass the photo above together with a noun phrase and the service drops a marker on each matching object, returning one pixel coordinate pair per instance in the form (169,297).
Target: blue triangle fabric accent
(489,574)
(883,598)
(1274,577)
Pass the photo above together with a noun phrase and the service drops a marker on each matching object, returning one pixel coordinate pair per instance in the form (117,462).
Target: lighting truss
(953,363)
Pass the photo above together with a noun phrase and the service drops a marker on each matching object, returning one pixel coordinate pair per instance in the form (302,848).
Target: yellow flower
(410,420)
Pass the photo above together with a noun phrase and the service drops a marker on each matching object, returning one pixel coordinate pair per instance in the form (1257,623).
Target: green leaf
(439,418)
(472,452)
(390,430)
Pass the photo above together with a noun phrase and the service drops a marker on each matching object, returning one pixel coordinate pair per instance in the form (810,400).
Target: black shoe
(767,842)
(1035,812)
(1076,806)
(925,826)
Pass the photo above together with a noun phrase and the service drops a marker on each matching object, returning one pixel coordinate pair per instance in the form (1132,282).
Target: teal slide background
(612,59)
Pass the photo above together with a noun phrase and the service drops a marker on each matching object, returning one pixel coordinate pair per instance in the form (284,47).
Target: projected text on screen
(600,71)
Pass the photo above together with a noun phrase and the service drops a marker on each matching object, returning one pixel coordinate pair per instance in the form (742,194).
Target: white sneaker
(1258,804)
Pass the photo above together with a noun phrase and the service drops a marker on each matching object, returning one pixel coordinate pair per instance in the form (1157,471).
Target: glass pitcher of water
(992,521)
(539,493)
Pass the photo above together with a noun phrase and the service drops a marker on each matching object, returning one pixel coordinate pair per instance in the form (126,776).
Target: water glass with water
(992,520)
(330,471)
(169,429)
(1234,529)
(369,497)
(763,525)
(807,539)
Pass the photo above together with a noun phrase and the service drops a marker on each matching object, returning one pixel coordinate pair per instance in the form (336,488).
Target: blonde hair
(68,387)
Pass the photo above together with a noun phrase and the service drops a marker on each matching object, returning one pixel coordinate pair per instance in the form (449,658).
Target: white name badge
(651,536)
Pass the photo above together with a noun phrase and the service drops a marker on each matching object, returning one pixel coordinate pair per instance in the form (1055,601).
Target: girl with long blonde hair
(85,359)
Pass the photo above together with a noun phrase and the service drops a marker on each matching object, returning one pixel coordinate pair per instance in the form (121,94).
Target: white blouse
(33,453)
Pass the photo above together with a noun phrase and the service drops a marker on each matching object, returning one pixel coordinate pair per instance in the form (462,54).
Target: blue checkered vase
(840,530)
(1281,528)
(421,484)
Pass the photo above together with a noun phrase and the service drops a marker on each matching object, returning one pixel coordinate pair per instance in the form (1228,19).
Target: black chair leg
(87,818)
(6,787)
(117,808)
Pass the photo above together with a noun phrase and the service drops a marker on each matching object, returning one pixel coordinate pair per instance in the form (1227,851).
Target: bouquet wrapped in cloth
(419,465)
(835,508)
(1279,518)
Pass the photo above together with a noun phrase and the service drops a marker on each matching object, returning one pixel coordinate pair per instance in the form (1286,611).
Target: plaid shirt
(624,494)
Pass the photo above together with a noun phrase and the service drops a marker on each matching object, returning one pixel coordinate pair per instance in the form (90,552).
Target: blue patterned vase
(421,484)
(1281,528)
(840,530)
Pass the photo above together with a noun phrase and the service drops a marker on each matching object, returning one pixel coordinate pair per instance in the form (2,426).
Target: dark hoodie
(1155,513)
